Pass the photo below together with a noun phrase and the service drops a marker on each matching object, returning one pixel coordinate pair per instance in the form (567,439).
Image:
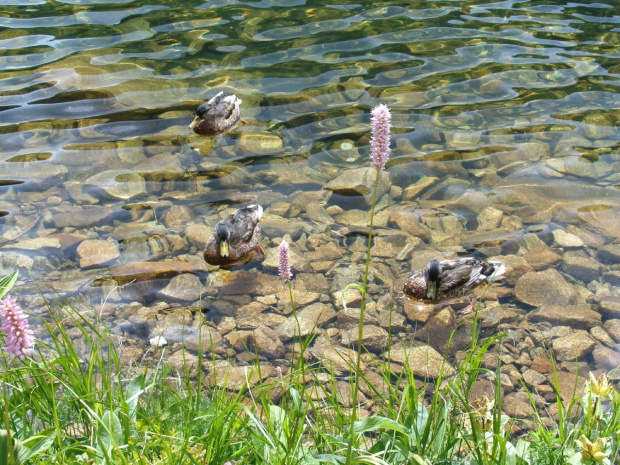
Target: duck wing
(461,274)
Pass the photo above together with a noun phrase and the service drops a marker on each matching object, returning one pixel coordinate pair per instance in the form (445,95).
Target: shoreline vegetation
(63,405)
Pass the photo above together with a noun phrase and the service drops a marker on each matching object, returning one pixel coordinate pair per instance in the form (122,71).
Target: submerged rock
(422,360)
(96,252)
(575,316)
(310,320)
(359,182)
(546,288)
(575,346)
(182,288)
(143,271)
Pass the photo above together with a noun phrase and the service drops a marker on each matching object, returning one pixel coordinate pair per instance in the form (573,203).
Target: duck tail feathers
(257,211)
(498,272)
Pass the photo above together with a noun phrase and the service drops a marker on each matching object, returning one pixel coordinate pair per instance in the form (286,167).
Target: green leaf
(111,431)
(41,442)
(374,423)
(7,283)
(20,452)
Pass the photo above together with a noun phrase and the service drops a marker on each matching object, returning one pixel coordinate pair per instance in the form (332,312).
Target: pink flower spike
(381,122)
(284,262)
(19,336)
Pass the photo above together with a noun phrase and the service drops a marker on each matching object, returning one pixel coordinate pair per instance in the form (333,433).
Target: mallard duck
(451,279)
(235,237)
(217,115)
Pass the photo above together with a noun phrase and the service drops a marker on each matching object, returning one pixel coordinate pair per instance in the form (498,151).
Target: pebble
(182,288)
(574,346)
(545,288)
(564,239)
(575,316)
(92,253)
(422,360)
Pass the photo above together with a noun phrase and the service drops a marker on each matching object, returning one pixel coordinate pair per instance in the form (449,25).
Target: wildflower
(593,450)
(380,121)
(600,387)
(482,410)
(284,262)
(19,337)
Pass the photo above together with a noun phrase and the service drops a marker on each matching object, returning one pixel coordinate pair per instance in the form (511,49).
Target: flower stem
(360,328)
(301,344)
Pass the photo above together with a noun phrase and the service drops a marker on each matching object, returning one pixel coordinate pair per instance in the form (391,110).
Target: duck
(235,237)
(446,280)
(217,115)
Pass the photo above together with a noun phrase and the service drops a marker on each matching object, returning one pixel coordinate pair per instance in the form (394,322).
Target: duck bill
(224,252)
(194,123)
(431,290)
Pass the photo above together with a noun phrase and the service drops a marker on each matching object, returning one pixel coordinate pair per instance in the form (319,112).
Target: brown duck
(451,279)
(217,115)
(235,237)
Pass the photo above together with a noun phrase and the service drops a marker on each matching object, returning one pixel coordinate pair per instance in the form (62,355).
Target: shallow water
(505,132)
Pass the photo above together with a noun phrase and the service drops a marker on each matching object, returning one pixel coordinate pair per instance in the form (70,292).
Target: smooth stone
(602,336)
(14,260)
(609,254)
(118,185)
(96,252)
(193,338)
(374,338)
(489,219)
(309,318)
(606,358)
(276,226)
(146,271)
(236,378)
(129,231)
(359,182)
(542,257)
(337,360)
(583,268)
(545,288)
(391,245)
(574,346)
(36,244)
(408,220)
(612,277)
(182,288)
(575,316)
(533,379)
(177,215)
(613,328)
(82,217)
(517,405)
(197,235)
(328,252)
(567,383)
(265,341)
(516,266)
(565,239)
(245,282)
(259,143)
(413,191)
(609,306)
(159,168)
(318,214)
(438,329)
(422,360)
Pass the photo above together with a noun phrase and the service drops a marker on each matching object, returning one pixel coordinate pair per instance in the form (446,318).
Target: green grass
(64,407)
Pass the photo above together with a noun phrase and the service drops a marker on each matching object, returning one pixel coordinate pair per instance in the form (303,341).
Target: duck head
(432,276)
(222,235)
